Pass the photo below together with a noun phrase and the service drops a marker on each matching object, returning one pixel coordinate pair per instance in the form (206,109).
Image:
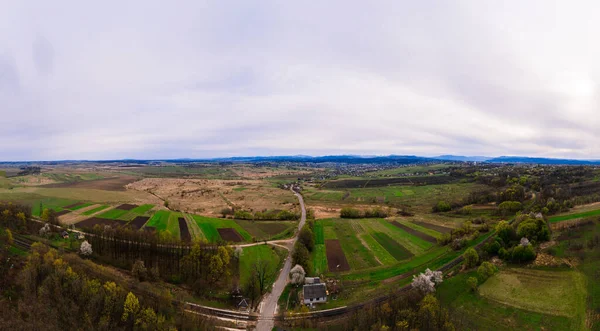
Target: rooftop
(314,291)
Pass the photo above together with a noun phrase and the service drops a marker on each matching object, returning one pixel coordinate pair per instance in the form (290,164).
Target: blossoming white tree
(297,275)
(44,231)
(86,248)
(427,281)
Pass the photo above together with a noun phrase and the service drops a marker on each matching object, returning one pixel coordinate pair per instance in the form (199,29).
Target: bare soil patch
(91,222)
(138,222)
(73,205)
(126,206)
(336,260)
(107,184)
(228,234)
(440,229)
(416,233)
(185,231)
(62,212)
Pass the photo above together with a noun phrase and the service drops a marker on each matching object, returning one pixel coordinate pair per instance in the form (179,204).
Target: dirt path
(269,303)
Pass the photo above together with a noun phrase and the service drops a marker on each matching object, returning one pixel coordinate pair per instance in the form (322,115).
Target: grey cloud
(43,55)
(198,79)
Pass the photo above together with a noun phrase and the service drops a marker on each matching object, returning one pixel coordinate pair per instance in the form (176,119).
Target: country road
(269,304)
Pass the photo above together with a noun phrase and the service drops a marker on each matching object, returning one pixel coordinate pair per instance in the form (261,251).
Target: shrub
(509,208)
(139,270)
(441,207)
(486,270)
(471,258)
(505,231)
(523,254)
(444,239)
(534,229)
(472,283)
(348,212)
(376,213)
(492,248)
(306,237)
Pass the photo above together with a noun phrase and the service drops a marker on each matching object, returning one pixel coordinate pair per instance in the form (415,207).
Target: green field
(410,170)
(268,230)
(396,250)
(414,244)
(164,220)
(433,259)
(480,313)
(421,229)
(95,210)
(143,209)
(562,218)
(381,253)
(55,204)
(81,206)
(419,198)
(113,214)
(359,256)
(209,227)
(250,255)
(367,243)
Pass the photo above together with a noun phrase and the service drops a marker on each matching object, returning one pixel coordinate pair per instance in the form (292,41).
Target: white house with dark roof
(315,293)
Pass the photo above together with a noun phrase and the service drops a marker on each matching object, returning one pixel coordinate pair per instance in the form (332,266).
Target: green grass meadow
(480,313)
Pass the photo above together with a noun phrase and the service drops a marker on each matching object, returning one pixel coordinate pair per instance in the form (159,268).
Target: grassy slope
(560,293)
(256,253)
(480,313)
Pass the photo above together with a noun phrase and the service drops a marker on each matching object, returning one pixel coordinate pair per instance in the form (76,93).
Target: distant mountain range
(348,159)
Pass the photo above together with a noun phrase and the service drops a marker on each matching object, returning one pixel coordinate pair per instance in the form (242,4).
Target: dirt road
(269,303)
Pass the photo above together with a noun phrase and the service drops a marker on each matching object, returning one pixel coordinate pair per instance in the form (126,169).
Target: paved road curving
(269,304)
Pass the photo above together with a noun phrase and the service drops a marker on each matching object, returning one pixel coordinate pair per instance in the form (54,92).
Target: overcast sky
(169,79)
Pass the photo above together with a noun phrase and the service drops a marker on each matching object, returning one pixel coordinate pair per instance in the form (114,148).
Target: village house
(314,293)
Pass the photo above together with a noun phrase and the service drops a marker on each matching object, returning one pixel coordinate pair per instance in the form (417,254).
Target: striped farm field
(561,218)
(414,244)
(381,253)
(95,210)
(164,220)
(393,247)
